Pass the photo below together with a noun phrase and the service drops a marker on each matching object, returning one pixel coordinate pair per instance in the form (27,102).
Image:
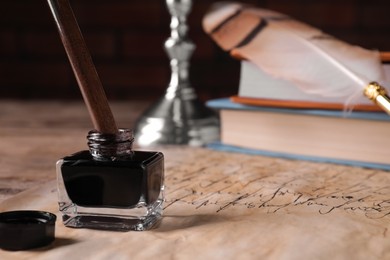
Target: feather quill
(315,62)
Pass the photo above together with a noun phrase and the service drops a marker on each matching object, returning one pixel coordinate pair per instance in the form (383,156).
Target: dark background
(125,38)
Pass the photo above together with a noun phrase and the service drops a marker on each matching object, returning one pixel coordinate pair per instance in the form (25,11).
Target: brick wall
(126,37)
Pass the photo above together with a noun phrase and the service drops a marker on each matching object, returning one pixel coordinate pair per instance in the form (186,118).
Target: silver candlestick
(179,117)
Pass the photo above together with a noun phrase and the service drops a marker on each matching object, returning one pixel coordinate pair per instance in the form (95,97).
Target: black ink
(112,184)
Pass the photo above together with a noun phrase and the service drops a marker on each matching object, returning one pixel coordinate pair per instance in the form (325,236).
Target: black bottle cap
(26,229)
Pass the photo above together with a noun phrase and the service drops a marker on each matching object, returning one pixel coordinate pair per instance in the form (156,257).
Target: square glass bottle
(111,186)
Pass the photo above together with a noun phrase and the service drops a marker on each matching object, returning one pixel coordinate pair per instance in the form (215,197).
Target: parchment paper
(233,206)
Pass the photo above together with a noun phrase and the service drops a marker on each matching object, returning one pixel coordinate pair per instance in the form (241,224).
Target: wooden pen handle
(83,67)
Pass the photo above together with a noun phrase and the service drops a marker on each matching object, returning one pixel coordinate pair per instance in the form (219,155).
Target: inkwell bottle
(110,186)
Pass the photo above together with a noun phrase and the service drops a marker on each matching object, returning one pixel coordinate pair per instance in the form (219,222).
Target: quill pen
(315,62)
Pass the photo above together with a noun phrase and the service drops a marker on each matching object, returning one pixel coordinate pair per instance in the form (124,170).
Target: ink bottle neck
(111,147)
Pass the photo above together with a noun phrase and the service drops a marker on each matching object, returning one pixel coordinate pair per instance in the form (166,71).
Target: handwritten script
(223,182)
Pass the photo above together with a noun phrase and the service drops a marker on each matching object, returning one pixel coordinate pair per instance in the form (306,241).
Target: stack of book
(272,117)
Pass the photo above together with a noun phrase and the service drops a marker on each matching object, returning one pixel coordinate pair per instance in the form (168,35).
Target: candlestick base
(177,121)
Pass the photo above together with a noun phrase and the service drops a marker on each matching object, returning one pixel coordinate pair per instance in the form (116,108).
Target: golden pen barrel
(377,93)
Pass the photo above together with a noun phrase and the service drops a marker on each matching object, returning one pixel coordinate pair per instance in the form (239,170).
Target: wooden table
(218,205)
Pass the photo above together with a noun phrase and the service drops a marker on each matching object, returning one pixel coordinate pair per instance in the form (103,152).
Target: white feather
(285,48)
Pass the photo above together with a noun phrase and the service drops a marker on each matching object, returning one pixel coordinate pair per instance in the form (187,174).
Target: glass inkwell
(110,186)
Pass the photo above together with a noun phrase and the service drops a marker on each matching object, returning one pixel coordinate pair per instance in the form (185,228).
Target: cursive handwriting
(276,185)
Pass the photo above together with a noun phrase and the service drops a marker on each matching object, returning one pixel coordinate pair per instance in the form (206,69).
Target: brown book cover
(299,104)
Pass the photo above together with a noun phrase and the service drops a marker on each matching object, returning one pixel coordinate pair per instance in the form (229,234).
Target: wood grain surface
(218,205)
(34,135)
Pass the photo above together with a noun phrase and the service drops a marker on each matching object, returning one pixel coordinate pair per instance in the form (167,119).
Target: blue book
(335,136)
